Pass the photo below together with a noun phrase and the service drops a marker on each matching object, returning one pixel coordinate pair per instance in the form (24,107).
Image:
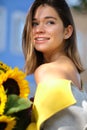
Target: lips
(41,39)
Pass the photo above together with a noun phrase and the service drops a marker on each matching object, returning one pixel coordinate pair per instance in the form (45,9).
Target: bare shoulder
(70,71)
(42,72)
(61,69)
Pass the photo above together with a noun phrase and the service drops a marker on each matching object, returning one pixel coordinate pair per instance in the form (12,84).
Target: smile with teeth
(41,39)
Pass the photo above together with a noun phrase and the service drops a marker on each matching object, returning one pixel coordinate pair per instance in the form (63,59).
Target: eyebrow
(47,17)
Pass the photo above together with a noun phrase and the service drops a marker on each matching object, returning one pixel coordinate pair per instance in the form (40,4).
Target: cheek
(55,34)
(56,31)
(52,32)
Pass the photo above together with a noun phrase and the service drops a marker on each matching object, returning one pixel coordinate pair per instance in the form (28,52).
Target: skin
(48,36)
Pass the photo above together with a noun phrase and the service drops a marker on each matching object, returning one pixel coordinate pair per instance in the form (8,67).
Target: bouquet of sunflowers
(15,106)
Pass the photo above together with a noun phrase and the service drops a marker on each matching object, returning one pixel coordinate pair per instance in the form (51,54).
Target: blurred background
(12,19)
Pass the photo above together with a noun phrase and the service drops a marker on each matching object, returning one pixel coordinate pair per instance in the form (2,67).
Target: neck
(52,57)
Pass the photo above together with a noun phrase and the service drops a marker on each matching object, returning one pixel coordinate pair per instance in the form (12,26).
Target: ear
(68,32)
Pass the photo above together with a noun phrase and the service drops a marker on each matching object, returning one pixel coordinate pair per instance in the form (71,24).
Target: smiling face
(48,32)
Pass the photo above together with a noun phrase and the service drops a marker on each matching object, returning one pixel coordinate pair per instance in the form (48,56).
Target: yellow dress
(51,98)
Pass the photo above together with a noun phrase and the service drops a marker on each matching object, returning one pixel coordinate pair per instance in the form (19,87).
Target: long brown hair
(33,58)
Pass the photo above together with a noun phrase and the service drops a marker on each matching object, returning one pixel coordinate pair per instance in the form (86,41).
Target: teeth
(40,39)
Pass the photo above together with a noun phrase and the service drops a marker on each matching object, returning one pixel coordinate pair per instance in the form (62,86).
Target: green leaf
(15,104)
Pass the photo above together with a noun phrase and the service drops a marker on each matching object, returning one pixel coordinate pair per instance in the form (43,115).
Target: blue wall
(7,56)
(11,6)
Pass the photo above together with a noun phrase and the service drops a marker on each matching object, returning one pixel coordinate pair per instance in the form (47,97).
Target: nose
(39,29)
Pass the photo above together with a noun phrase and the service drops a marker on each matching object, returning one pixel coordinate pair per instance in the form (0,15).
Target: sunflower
(14,82)
(3,99)
(3,67)
(7,123)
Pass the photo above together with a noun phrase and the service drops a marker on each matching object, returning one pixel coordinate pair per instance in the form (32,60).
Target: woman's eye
(34,24)
(50,22)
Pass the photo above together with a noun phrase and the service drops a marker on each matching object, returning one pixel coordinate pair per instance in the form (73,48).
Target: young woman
(50,50)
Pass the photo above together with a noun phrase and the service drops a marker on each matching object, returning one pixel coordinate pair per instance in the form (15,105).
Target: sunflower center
(11,86)
(3,125)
